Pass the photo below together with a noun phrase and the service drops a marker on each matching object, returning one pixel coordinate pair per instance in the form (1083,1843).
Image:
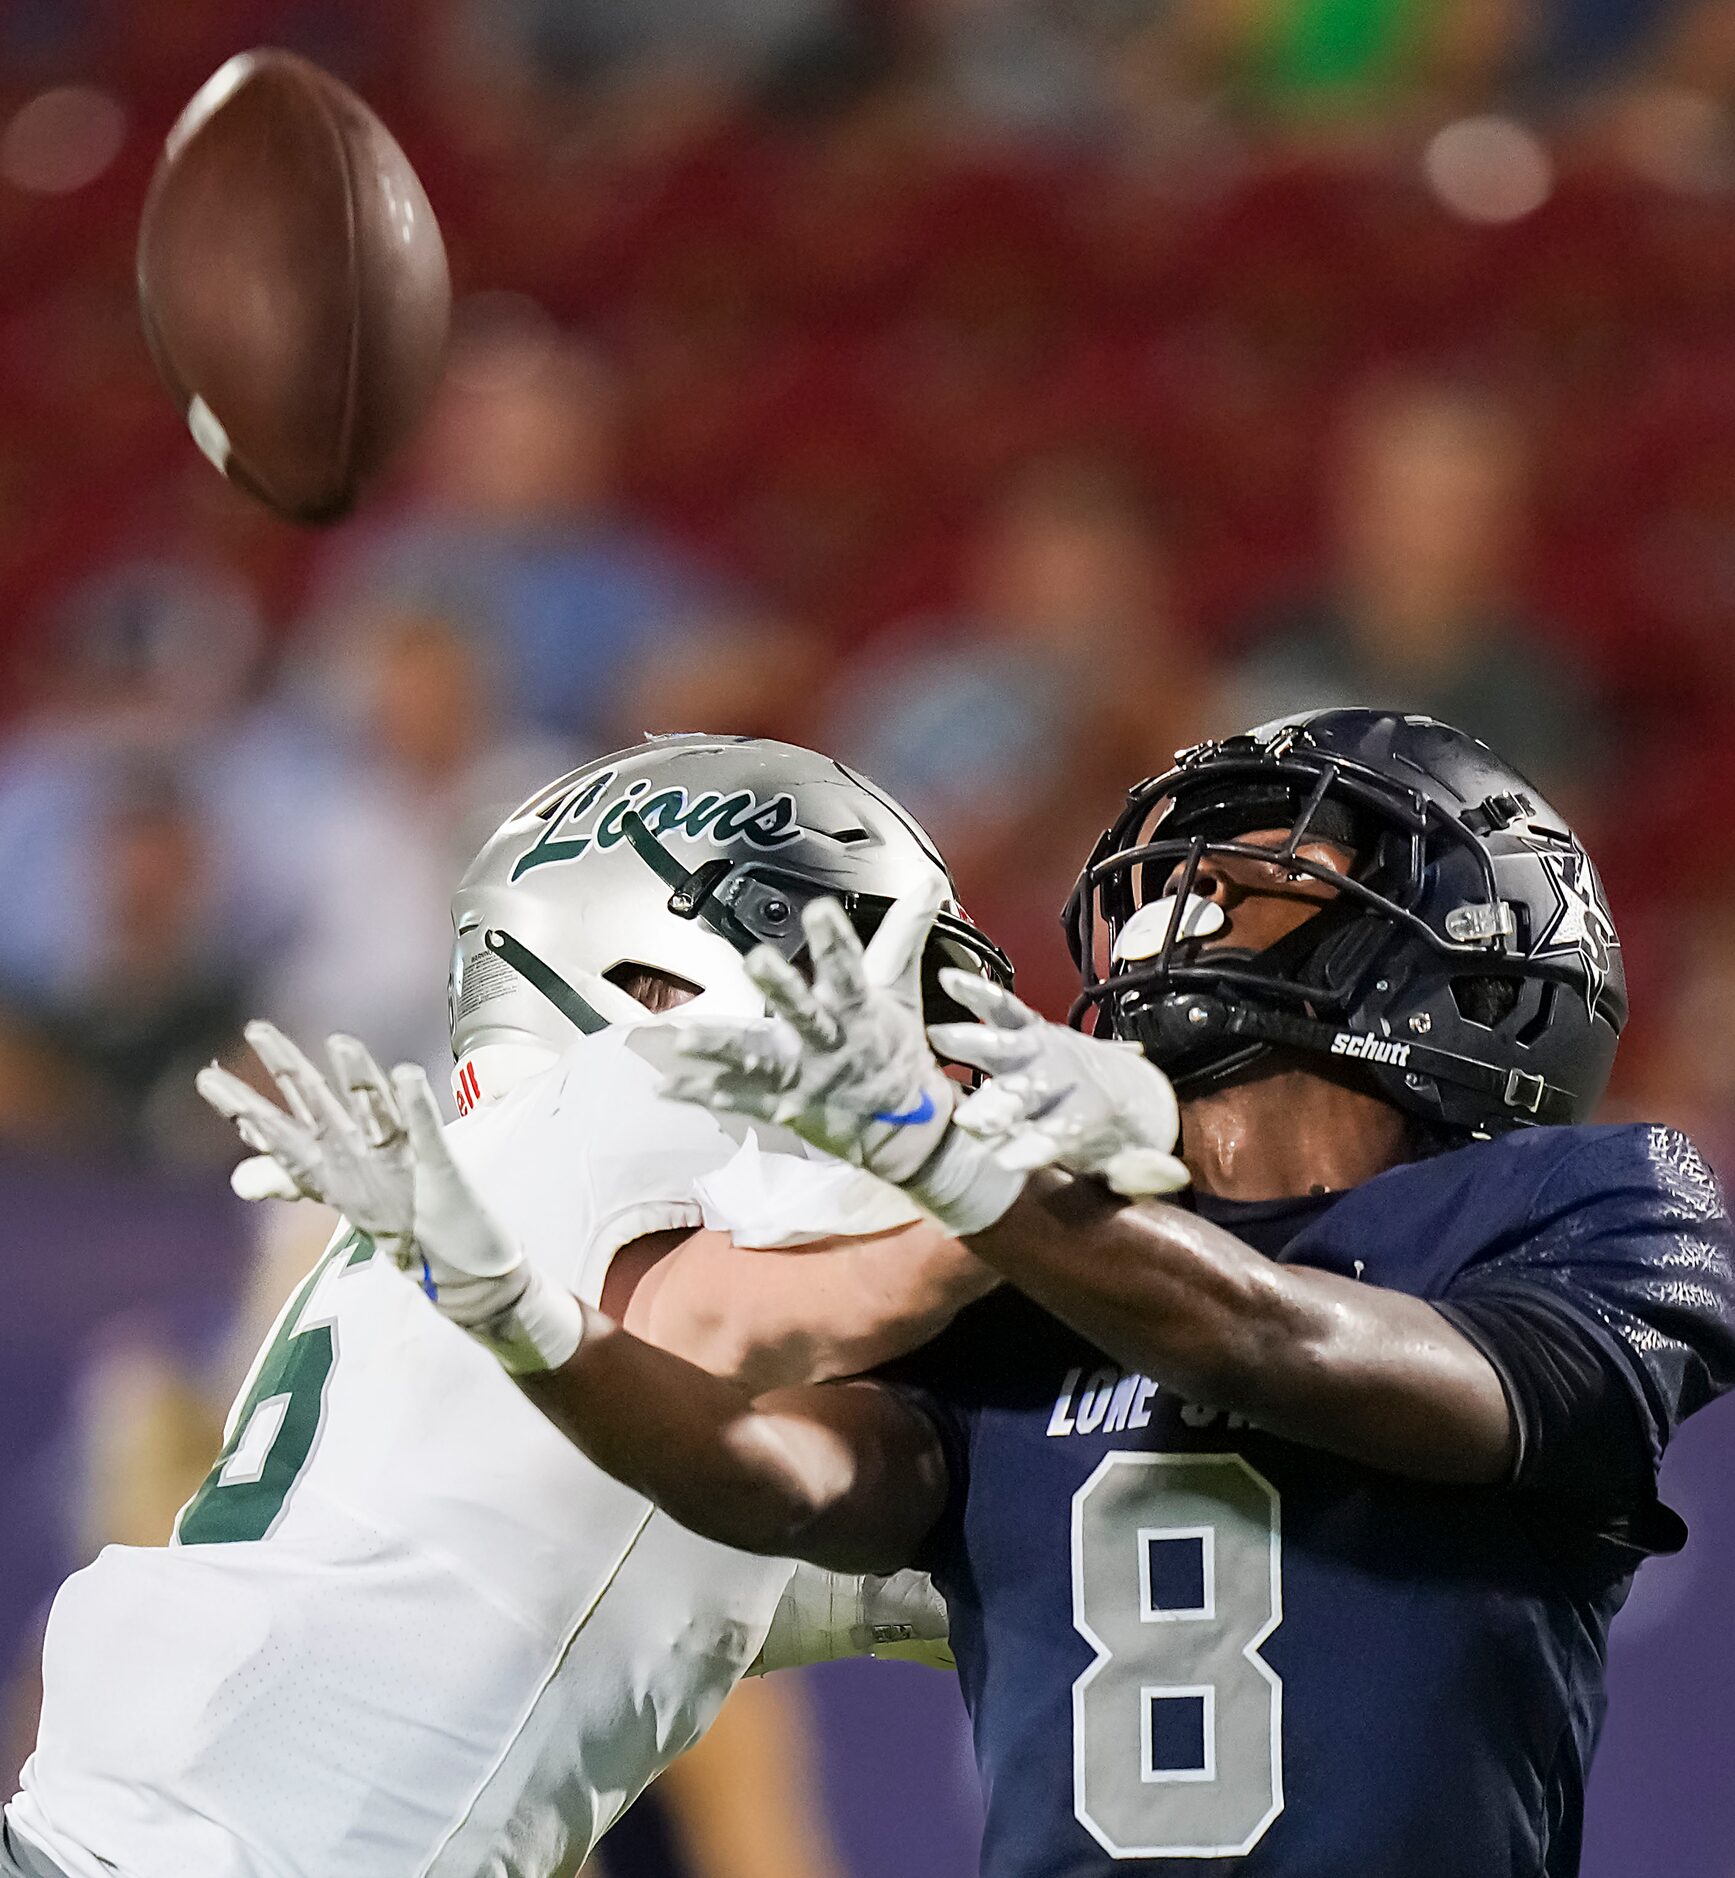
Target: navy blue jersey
(1189,1647)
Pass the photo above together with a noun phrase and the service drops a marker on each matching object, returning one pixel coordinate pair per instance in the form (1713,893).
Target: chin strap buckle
(1480,923)
(1524,1092)
(688,899)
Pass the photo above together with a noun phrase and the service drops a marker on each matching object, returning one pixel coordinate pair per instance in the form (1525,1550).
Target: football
(292,283)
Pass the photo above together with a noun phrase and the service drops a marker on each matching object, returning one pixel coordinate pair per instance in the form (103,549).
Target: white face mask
(1147,932)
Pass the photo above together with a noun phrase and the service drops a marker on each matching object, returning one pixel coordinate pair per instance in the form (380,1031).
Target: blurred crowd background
(999,394)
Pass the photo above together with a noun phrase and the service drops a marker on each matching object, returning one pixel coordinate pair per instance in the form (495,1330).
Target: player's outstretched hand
(344,1147)
(844,1061)
(1056,1098)
(376,1151)
(466,1261)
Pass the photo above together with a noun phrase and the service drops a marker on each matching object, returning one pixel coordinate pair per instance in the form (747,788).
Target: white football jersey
(406,1630)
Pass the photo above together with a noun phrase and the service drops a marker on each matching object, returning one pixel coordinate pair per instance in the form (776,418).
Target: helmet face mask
(1465,967)
(677,856)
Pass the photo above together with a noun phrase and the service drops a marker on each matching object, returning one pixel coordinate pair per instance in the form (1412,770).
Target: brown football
(292,282)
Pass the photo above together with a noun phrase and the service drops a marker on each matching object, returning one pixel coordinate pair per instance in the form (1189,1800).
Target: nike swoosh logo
(924,1111)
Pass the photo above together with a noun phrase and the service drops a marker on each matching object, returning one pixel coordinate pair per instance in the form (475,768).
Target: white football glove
(380,1157)
(845,1062)
(345,1153)
(1057,1098)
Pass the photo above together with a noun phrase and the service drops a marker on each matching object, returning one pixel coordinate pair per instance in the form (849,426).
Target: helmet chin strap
(1203,1041)
(692,890)
(578,1010)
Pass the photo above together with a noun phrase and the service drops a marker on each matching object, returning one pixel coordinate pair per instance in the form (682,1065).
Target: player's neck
(1288,1133)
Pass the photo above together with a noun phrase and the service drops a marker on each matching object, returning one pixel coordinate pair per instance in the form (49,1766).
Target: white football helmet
(679,855)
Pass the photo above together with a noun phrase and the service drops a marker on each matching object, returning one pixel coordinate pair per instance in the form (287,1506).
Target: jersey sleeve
(1609,1314)
(644,1177)
(768,1199)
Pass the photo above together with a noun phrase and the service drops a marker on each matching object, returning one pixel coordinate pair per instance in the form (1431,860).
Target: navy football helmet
(1466,968)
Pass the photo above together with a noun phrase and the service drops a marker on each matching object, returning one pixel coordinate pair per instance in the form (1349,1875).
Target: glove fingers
(258,1121)
(789,997)
(423,1122)
(1143,1173)
(894,954)
(840,974)
(308,1094)
(262,1125)
(426,1128)
(993,1003)
(259,1177)
(983,1047)
(456,1233)
(732,1094)
(227,1093)
(1026,1151)
(994,1110)
(364,1088)
(749,1049)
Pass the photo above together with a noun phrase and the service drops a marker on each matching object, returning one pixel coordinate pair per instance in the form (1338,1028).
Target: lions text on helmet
(674,858)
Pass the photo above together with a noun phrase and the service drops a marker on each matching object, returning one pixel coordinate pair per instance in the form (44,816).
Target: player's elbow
(794,1485)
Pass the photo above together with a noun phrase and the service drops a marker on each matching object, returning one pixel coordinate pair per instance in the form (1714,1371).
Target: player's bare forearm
(1372,1374)
(772,1318)
(843,1474)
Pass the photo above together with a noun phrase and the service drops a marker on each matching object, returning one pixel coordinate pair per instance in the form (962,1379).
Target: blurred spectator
(420,768)
(1012,730)
(1583,39)
(1327,63)
(581,43)
(1327,59)
(1428,505)
(101,1055)
(516,529)
(743,676)
(1673,118)
(1019,67)
(1689,1074)
(1177,76)
(120,967)
(154,1002)
(137,670)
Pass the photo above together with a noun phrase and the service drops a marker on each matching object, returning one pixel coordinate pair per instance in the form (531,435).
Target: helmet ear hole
(655,989)
(1489,1000)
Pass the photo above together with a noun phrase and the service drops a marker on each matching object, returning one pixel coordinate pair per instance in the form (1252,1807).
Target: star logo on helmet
(1581,926)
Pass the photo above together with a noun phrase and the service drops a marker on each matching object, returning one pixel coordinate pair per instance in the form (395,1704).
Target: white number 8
(1177,1727)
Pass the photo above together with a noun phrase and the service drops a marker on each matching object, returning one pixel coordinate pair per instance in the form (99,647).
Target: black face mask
(1184,1013)
(1462,879)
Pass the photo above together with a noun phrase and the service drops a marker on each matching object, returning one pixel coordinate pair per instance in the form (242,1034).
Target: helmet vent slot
(1537,1027)
(653,987)
(1488,1000)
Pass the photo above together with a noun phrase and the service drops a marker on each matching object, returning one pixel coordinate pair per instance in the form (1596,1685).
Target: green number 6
(273,1430)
